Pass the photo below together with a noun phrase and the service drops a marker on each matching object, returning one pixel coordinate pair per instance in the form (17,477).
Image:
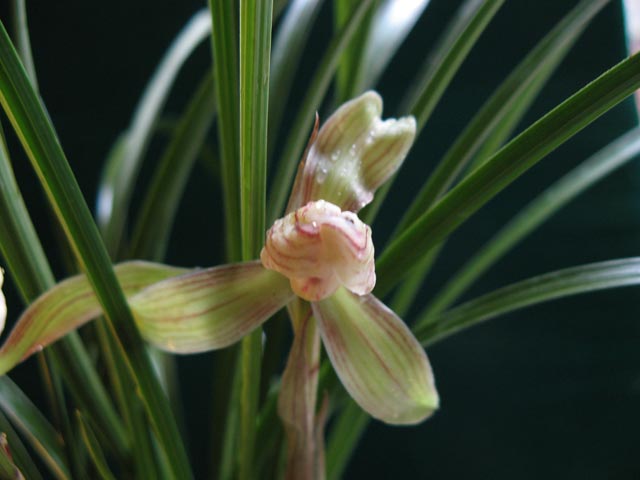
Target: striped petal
(378,360)
(211,308)
(352,155)
(67,306)
(319,248)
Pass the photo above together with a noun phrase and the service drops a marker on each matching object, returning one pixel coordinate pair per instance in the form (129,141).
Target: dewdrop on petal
(319,248)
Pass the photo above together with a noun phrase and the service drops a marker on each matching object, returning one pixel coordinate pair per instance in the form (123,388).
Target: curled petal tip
(319,247)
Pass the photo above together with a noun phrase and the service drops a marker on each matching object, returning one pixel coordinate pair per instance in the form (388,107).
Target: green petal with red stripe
(353,154)
(209,309)
(378,360)
(68,305)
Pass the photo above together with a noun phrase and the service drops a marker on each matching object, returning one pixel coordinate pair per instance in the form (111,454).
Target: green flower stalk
(318,260)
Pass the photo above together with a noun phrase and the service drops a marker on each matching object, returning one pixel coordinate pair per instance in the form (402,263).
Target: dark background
(550,392)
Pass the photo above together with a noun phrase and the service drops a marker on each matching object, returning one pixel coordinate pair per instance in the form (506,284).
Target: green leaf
(123,164)
(561,283)
(211,308)
(504,167)
(297,137)
(224,46)
(390,25)
(33,127)
(592,170)
(255,56)
(19,453)
(378,360)
(22,40)
(67,306)
(529,76)
(34,426)
(288,45)
(94,448)
(160,205)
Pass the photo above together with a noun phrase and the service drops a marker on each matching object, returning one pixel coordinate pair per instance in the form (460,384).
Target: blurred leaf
(550,286)
(592,170)
(123,164)
(391,23)
(303,122)
(289,43)
(18,451)
(93,447)
(529,76)
(160,205)
(22,41)
(34,426)
(504,167)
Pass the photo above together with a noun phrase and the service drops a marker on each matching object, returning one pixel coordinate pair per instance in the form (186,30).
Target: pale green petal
(378,360)
(209,309)
(298,391)
(67,306)
(353,154)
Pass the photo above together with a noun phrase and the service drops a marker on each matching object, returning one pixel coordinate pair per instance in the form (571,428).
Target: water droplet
(335,155)
(321,175)
(353,150)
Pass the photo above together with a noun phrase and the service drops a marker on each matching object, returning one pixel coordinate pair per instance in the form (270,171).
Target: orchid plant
(311,258)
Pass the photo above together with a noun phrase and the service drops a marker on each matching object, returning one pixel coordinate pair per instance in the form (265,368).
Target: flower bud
(319,248)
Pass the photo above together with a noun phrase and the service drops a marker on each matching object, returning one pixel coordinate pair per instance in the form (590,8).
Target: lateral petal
(378,360)
(211,308)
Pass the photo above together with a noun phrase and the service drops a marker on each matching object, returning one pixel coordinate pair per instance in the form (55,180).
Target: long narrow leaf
(121,171)
(34,426)
(562,283)
(613,156)
(94,448)
(159,208)
(38,138)
(224,46)
(505,166)
(18,450)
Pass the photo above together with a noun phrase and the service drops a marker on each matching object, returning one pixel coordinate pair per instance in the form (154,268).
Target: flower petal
(319,247)
(67,306)
(354,153)
(379,361)
(3,303)
(209,309)
(297,398)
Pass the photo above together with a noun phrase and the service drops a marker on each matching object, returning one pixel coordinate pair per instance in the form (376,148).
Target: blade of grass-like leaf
(255,51)
(94,448)
(598,166)
(350,67)
(287,49)
(297,138)
(561,283)
(224,46)
(344,436)
(504,167)
(532,72)
(25,257)
(18,451)
(391,23)
(33,127)
(33,425)
(22,40)
(158,211)
(461,34)
(121,169)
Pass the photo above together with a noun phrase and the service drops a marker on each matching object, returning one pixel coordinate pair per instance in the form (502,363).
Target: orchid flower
(318,261)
